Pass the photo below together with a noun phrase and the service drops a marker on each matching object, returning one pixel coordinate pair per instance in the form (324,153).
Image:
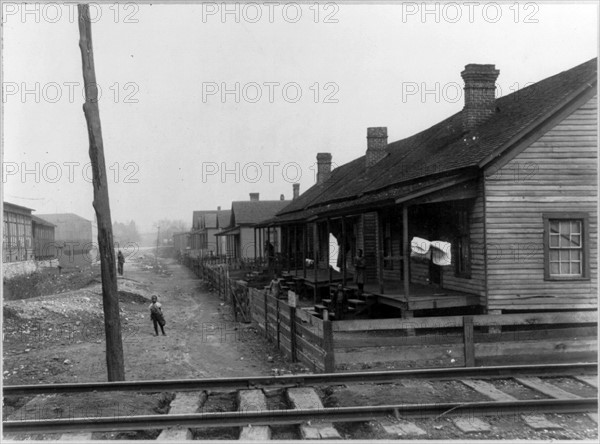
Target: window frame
(585,245)
(462,238)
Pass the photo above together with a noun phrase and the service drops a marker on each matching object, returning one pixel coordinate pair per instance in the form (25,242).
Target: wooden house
(509,183)
(206,225)
(242,240)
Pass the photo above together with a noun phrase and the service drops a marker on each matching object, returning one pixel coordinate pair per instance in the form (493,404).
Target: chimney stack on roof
(282,197)
(480,94)
(323,167)
(254,197)
(376,144)
(219,208)
(296,192)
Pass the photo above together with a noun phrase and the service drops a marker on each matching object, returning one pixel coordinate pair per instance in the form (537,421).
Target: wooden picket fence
(449,341)
(298,335)
(444,341)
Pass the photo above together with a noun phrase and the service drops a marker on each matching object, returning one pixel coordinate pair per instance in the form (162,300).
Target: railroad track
(316,421)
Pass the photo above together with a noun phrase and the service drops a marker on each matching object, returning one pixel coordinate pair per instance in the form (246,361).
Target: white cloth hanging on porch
(419,248)
(439,252)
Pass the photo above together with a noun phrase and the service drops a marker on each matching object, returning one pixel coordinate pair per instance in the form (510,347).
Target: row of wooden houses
(492,209)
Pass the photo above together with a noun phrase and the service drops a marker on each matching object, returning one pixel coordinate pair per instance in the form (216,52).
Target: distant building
(44,244)
(241,239)
(205,226)
(73,238)
(17,242)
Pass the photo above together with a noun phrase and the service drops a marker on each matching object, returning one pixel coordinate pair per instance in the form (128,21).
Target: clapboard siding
(556,173)
(476,283)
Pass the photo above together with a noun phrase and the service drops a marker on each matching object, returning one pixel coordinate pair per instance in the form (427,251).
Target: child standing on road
(157,316)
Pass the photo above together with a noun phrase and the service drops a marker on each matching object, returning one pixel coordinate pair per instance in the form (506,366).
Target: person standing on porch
(359,271)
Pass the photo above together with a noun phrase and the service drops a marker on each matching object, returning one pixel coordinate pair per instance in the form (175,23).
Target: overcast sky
(308,79)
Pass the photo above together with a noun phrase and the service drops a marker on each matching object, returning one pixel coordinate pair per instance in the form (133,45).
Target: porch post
(260,243)
(287,247)
(295,250)
(304,247)
(379,238)
(268,250)
(316,244)
(328,256)
(254,242)
(343,251)
(406,252)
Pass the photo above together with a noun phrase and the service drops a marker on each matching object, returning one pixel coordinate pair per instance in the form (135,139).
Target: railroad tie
(307,398)
(592,381)
(536,422)
(184,402)
(253,401)
(546,388)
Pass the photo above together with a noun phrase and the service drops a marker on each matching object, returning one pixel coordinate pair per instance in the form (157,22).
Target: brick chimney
(376,144)
(323,167)
(480,94)
(281,197)
(296,188)
(218,208)
(254,197)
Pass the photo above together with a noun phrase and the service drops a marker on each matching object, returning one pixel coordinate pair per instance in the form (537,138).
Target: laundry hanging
(439,252)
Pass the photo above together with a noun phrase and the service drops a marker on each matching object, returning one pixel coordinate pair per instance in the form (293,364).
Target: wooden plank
(307,347)
(535,348)
(471,425)
(184,402)
(592,381)
(253,401)
(546,388)
(403,428)
(487,389)
(414,353)
(307,398)
(540,422)
(469,346)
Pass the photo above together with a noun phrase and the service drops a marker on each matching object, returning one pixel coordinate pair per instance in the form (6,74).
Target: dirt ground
(59,337)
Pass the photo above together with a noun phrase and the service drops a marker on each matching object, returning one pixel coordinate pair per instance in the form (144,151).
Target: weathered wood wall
(476,283)
(556,173)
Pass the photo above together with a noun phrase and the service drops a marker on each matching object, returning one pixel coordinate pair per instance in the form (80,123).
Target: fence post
(277,307)
(266,317)
(293,333)
(468,341)
(329,359)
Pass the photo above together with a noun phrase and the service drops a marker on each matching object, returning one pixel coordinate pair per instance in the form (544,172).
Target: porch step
(326,301)
(356,301)
(320,307)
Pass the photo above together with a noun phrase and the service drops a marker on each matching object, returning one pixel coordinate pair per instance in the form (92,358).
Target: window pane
(564,227)
(575,267)
(554,267)
(554,255)
(554,226)
(575,240)
(575,226)
(564,268)
(575,255)
(553,240)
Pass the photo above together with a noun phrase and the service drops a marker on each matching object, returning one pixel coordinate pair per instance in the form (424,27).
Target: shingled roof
(441,150)
(252,212)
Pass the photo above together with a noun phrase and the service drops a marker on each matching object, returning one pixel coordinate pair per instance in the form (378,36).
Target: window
(566,246)
(388,252)
(462,251)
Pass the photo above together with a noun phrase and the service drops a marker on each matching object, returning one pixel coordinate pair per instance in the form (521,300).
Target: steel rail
(241,383)
(283,417)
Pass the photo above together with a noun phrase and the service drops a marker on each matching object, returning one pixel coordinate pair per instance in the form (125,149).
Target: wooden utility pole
(110,298)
